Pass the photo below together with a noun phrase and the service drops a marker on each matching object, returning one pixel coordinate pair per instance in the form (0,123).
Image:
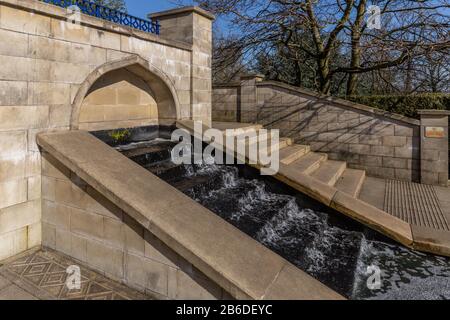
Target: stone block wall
(386,146)
(81,223)
(119,99)
(193,25)
(45,59)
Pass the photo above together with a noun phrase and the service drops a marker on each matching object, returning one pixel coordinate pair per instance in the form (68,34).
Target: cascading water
(323,243)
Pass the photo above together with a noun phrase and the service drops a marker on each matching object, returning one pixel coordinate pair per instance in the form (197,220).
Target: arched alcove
(125,93)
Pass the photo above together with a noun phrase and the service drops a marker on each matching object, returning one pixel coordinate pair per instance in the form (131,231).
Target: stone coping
(60,13)
(431,241)
(177,11)
(239,264)
(337,101)
(434,112)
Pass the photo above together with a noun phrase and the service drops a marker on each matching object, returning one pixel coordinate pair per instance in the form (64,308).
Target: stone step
(257,136)
(351,182)
(329,171)
(234,128)
(309,162)
(293,153)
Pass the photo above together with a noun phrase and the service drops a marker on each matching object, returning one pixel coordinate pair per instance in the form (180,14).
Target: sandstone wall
(44,60)
(384,145)
(81,223)
(118,99)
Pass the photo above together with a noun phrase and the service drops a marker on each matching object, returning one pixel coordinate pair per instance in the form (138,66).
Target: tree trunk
(355,62)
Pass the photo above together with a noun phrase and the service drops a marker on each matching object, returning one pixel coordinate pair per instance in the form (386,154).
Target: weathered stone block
(134,236)
(97,203)
(382,151)
(196,286)
(147,274)
(35,235)
(114,233)
(24,21)
(399,163)
(13,192)
(156,250)
(359,149)
(48,235)
(13,93)
(64,31)
(20,40)
(12,168)
(13,243)
(56,214)
(394,141)
(70,194)
(13,143)
(78,247)
(24,117)
(34,188)
(105,258)
(63,241)
(19,216)
(86,224)
(47,93)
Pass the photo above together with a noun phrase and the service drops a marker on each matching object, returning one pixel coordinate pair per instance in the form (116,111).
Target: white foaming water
(405,274)
(274,229)
(309,240)
(141,144)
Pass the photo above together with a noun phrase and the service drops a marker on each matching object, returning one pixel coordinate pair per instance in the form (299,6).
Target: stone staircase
(297,158)
(337,186)
(317,165)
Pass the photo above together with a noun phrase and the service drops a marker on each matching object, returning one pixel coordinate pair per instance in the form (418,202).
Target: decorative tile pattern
(415,203)
(43,274)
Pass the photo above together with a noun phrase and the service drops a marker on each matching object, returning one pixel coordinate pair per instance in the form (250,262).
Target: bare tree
(335,34)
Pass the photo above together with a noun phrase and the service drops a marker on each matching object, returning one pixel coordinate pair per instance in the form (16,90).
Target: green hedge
(406,105)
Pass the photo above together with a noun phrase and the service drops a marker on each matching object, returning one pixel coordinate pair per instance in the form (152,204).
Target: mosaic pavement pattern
(415,203)
(43,275)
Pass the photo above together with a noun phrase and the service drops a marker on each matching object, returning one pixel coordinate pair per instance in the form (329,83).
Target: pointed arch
(159,83)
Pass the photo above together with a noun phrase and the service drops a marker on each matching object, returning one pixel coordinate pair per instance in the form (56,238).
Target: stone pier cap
(181,11)
(236,262)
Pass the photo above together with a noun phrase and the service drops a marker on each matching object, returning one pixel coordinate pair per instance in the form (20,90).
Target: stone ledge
(434,112)
(239,264)
(342,102)
(177,11)
(58,12)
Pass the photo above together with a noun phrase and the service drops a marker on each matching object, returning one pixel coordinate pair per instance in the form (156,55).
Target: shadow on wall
(80,222)
(365,142)
(118,99)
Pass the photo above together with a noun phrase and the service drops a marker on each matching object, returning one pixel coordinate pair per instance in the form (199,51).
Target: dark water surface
(330,247)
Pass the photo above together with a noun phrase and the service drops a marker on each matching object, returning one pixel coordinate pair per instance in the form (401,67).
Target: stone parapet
(383,144)
(114,215)
(434,147)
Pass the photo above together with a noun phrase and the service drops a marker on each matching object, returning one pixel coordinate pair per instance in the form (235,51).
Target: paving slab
(42,275)
(13,292)
(351,182)
(4,282)
(330,171)
(431,240)
(373,192)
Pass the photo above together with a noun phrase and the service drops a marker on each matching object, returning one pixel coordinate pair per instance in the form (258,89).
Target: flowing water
(330,247)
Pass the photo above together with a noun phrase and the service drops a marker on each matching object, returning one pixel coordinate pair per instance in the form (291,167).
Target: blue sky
(140,8)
